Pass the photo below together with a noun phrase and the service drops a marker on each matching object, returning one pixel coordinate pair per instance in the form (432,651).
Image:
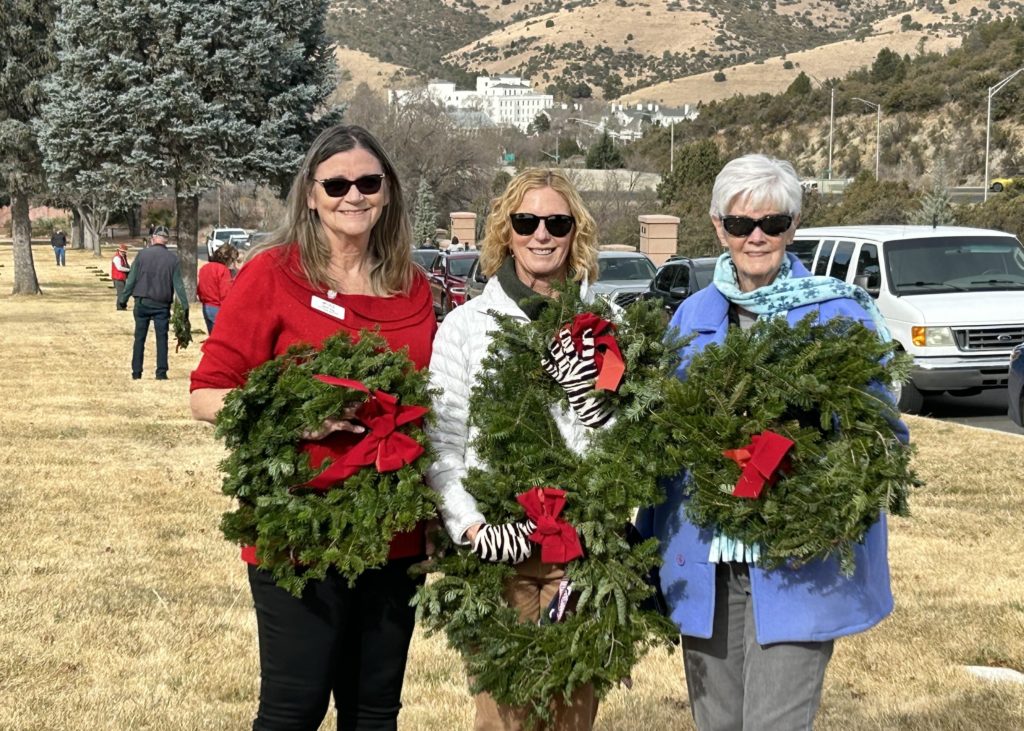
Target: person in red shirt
(119,268)
(215,281)
(342,261)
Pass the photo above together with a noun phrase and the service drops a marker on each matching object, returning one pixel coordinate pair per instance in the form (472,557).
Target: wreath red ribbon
(381,445)
(607,356)
(559,542)
(763,461)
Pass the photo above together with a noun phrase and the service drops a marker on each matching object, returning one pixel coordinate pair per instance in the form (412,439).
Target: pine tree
(26,56)
(936,208)
(187,94)
(604,155)
(425,225)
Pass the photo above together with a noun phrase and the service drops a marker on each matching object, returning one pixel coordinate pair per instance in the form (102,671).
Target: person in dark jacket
(154,279)
(59,242)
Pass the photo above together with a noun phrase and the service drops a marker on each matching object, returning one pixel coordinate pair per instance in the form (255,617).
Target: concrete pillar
(658,236)
(463,225)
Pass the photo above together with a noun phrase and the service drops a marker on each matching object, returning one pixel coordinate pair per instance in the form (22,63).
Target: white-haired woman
(756,642)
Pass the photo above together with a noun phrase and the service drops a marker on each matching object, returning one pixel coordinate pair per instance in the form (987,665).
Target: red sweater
(214,284)
(272,308)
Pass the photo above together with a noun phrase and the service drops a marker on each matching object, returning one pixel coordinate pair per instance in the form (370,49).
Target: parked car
(424,257)
(258,237)
(1015,386)
(476,280)
(678,278)
(999,184)
(237,237)
(448,280)
(622,276)
(952,297)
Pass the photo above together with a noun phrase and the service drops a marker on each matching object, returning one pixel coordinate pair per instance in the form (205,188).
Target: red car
(448,280)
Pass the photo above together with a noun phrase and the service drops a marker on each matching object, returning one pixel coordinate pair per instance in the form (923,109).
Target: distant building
(505,100)
(631,118)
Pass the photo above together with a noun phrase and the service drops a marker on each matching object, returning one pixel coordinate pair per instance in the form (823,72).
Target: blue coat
(814,602)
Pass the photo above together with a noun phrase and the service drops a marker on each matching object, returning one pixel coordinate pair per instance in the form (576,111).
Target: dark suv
(678,278)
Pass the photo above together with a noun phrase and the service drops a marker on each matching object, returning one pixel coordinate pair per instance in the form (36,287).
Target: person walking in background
(756,642)
(59,243)
(215,279)
(342,262)
(154,279)
(119,268)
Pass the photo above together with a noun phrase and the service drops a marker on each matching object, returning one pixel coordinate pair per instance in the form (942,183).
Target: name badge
(328,308)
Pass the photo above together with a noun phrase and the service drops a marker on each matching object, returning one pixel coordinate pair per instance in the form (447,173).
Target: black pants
(160,313)
(349,641)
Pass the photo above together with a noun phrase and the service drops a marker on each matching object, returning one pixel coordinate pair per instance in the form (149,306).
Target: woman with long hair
(341,262)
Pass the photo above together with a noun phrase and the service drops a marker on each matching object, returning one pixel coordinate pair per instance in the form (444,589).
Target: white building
(632,117)
(507,100)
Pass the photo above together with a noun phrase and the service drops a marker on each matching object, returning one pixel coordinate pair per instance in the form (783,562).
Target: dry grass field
(122,608)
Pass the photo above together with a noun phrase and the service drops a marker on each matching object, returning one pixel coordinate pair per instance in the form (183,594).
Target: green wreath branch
(300,533)
(181,326)
(809,384)
(528,665)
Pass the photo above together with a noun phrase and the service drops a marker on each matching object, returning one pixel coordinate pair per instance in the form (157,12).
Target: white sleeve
(451,374)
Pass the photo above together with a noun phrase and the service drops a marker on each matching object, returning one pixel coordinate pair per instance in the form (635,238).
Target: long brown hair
(497,243)
(390,249)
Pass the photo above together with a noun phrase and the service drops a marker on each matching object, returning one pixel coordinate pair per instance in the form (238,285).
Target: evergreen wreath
(181,325)
(527,665)
(808,383)
(300,532)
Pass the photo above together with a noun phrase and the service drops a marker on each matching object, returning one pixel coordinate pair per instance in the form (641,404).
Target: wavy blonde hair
(497,243)
(390,248)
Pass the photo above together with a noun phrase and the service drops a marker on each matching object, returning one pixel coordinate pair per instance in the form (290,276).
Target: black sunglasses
(339,187)
(557,224)
(772,225)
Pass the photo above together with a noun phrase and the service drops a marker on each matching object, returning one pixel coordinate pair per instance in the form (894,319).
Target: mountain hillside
(646,48)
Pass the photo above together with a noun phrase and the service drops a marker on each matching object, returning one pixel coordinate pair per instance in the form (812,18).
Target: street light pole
(878,128)
(831,124)
(992,91)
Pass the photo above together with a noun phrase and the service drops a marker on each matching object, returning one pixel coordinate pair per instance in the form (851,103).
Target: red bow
(380,445)
(558,540)
(762,462)
(607,356)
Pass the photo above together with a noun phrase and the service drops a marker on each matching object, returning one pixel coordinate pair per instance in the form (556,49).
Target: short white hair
(763,181)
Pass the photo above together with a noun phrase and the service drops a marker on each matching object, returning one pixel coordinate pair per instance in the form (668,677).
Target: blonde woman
(539,234)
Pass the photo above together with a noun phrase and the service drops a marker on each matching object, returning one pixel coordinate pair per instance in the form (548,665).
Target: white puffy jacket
(459,347)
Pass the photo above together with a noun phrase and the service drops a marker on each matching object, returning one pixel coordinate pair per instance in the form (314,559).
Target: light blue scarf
(775,300)
(787,292)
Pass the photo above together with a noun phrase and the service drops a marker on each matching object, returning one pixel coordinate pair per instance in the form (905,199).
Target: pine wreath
(300,531)
(527,665)
(807,383)
(182,327)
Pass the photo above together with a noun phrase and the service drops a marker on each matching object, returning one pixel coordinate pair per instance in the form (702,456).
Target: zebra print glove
(576,373)
(504,543)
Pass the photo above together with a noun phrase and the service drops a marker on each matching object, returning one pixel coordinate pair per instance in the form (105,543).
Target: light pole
(878,128)
(992,91)
(831,124)
(831,119)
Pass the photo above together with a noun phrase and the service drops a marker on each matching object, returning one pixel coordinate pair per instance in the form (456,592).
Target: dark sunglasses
(772,225)
(339,187)
(558,224)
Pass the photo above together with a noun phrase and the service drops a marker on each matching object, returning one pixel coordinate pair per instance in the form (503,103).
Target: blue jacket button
(680,559)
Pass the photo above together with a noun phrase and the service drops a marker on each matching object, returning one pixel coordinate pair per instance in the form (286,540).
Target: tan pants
(530,591)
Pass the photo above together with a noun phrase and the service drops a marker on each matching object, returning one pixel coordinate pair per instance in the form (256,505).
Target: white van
(953,297)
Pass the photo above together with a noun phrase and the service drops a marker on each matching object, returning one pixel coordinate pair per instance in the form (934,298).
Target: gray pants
(734,683)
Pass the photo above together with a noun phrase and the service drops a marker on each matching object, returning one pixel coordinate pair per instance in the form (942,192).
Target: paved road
(986,410)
